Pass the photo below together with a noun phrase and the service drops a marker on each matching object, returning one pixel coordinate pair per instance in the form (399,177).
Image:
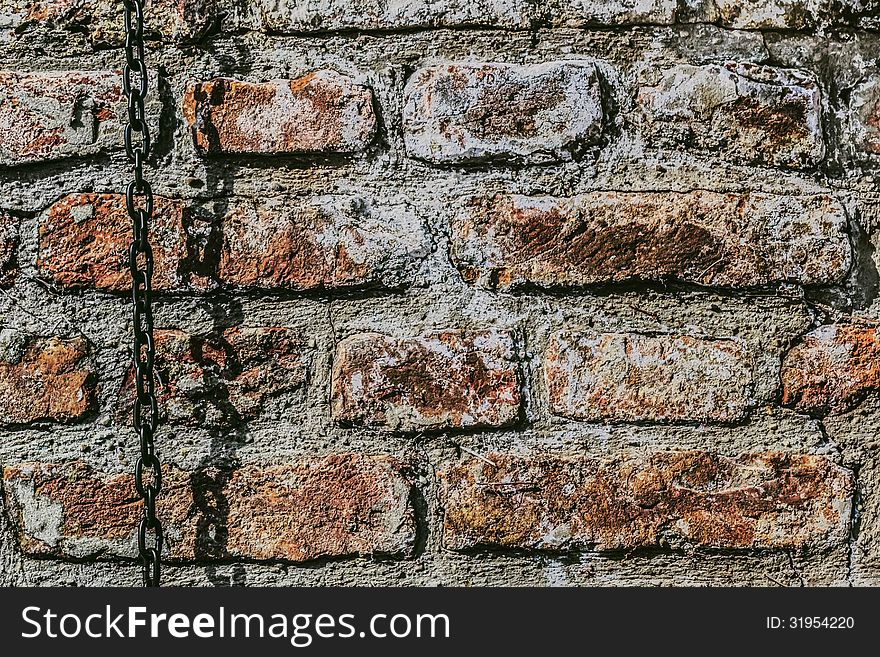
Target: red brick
(332,506)
(44,379)
(708,238)
(69,510)
(454,379)
(556,503)
(222,379)
(832,369)
(326,242)
(84,240)
(53,115)
(740,112)
(339,505)
(8,247)
(630,377)
(539,113)
(322,112)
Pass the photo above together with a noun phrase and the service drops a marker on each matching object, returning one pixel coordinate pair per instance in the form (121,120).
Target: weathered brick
(286,16)
(763,15)
(224,379)
(865,115)
(44,379)
(334,506)
(8,247)
(832,368)
(549,502)
(69,510)
(84,241)
(326,242)
(577,13)
(340,505)
(53,115)
(744,112)
(630,377)
(454,379)
(539,113)
(322,112)
(708,238)
(101,20)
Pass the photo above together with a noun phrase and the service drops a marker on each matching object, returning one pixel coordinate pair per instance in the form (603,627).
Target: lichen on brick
(565,503)
(223,379)
(322,112)
(326,242)
(832,368)
(459,113)
(748,113)
(44,379)
(454,379)
(708,238)
(630,377)
(54,115)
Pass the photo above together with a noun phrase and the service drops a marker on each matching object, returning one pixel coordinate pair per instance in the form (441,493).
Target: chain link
(139,202)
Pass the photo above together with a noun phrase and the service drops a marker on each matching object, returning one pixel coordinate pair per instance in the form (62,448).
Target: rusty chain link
(139,202)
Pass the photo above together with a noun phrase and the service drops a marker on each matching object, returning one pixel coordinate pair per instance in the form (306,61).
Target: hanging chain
(139,202)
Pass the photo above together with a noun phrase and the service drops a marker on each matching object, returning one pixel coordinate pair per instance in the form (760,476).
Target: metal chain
(139,202)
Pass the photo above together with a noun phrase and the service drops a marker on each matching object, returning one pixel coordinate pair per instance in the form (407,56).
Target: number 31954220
(811,623)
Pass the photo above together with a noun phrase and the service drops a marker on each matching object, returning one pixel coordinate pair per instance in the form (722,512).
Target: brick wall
(472,292)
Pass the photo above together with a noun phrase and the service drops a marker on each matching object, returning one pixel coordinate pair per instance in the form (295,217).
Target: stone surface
(221,380)
(832,368)
(327,242)
(54,115)
(633,378)
(614,12)
(338,505)
(322,112)
(749,113)
(286,16)
(44,379)
(8,248)
(101,20)
(708,238)
(449,380)
(84,241)
(865,115)
(541,113)
(549,502)
(763,15)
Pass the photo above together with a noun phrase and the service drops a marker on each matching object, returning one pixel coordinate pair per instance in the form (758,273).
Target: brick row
(188,20)
(452,114)
(353,504)
(333,506)
(503,242)
(455,379)
(330,242)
